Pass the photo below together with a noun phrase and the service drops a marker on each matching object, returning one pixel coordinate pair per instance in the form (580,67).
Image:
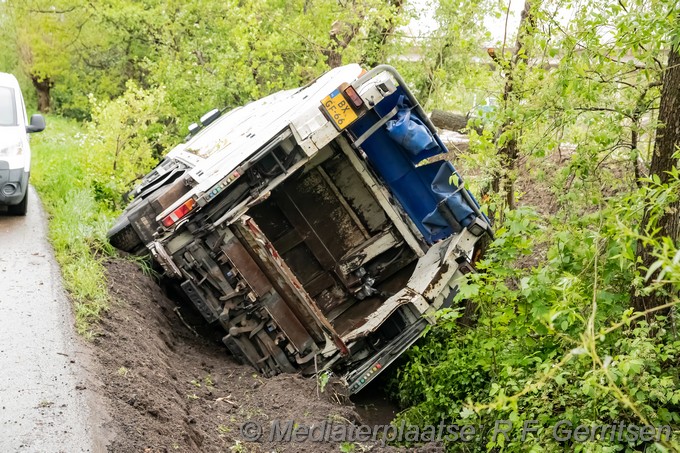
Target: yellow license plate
(339,110)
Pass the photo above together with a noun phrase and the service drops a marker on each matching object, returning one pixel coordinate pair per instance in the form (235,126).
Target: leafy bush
(77,221)
(119,145)
(81,173)
(553,341)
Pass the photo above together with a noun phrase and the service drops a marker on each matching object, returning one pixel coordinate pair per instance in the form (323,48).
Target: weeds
(322,381)
(145,264)
(80,172)
(347,447)
(554,342)
(77,222)
(238,447)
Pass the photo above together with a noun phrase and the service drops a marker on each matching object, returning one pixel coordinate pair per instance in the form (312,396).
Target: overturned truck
(310,225)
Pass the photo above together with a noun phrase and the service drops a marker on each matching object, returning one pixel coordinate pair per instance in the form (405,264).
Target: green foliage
(81,173)
(43,34)
(347,447)
(554,340)
(118,147)
(553,336)
(442,76)
(77,221)
(322,381)
(206,54)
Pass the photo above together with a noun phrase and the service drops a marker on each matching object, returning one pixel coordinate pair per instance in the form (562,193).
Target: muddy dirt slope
(173,390)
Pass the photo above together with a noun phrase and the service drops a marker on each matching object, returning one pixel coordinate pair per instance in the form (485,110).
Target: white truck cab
(15,152)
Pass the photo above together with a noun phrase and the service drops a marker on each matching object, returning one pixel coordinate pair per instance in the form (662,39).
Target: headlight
(12,150)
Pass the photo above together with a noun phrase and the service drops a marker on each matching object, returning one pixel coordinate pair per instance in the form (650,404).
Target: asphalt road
(45,369)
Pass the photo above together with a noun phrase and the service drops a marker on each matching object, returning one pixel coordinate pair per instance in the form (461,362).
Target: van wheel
(123,237)
(21,208)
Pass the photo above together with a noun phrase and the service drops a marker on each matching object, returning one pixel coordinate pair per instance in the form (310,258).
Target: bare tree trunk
(663,161)
(451,121)
(333,58)
(634,135)
(341,35)
(42,86)
(641,107)
(378,36)
(509,151)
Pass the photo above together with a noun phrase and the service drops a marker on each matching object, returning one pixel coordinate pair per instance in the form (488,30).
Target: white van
(15,153)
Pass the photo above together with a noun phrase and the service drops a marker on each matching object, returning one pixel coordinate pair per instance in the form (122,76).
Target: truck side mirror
(210,116)
(37,124)
(193,128)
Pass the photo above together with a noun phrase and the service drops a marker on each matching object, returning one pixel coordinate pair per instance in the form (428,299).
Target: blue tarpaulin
(394,155)
(409,131)
(447,192)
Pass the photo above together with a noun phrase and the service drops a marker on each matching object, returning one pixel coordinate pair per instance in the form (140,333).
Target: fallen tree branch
(176,310)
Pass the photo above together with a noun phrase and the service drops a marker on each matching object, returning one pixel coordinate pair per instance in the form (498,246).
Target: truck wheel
(123,237)
(21,208)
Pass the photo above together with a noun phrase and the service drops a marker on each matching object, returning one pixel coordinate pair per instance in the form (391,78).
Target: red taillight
(353,96)
(179,213)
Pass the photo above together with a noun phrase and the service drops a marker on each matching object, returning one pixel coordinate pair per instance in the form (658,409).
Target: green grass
(77,222)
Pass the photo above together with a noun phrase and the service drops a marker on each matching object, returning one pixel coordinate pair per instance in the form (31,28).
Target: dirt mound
(174,390)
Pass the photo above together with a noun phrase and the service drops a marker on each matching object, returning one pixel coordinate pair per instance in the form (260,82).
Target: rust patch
(288,322)
(247,267)
(277,268)
(443,269)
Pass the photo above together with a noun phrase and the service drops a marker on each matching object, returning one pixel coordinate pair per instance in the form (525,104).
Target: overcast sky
(424,23)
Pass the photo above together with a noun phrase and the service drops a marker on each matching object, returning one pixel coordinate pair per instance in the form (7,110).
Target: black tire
(123,237)
(21,208)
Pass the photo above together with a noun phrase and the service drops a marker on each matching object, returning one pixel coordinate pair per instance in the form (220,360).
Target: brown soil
(171,390)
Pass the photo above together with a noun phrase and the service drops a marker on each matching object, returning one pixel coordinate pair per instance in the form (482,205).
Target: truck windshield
(8,111)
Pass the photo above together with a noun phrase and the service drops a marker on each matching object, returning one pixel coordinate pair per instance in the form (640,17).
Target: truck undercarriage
(317,261)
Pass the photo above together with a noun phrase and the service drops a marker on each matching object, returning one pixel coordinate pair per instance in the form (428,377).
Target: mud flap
(143,221)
